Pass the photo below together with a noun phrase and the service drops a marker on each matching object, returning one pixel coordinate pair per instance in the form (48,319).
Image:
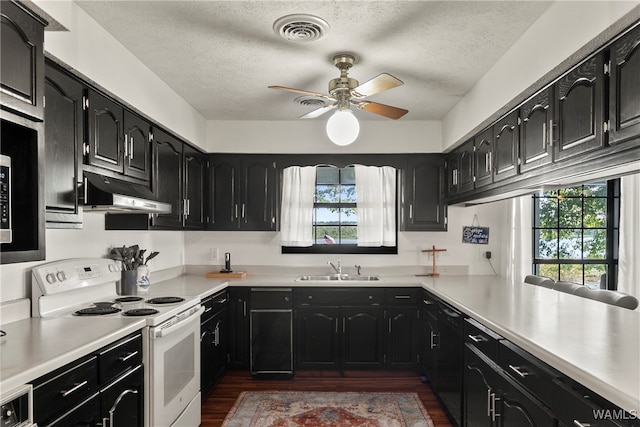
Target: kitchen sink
(337,278)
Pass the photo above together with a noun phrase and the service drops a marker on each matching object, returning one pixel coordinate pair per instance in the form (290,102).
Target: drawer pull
(425,302)
(222,301)
(128,356)
(402,296)
(206,310)
(518,370)
(579,424)
(76,387)
(477,338)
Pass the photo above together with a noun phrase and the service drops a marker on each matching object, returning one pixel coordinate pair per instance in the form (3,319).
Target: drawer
(526,370)
(401,296)
(339,297)
(481,337)
(575,405)
(271,298)
(213,304)
(119,357)
(64,388)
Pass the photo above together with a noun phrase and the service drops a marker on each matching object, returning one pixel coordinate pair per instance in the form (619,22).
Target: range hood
(107,194)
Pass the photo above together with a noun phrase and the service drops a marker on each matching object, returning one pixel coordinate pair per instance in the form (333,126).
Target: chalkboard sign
(475,235)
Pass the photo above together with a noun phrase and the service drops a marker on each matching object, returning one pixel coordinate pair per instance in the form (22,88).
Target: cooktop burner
(97,311)
(128,299)
(140,312)
(165,300)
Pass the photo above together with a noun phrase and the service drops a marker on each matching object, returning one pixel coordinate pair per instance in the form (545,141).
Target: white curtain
(629,247)
(518,243)
(298,191)
(376,201)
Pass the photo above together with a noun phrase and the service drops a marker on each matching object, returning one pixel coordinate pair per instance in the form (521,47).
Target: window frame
(612,227)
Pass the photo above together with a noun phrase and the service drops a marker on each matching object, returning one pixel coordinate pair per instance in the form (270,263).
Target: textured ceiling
(220,56)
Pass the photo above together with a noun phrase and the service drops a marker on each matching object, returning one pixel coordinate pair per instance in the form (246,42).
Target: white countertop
(36,346)
(593,343)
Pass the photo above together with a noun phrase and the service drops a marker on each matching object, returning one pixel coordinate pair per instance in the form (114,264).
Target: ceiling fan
(345,91)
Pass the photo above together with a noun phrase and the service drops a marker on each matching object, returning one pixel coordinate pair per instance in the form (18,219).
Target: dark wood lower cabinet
(362,337)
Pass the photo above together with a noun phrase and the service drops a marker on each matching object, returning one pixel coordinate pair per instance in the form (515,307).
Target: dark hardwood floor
(221,398)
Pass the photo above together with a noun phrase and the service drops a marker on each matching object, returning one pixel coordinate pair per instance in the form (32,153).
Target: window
(335,214)
(575,234)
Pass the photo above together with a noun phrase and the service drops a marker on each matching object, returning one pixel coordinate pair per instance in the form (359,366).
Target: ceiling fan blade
(318,112)
(302,92)
(377,84)
(381,109)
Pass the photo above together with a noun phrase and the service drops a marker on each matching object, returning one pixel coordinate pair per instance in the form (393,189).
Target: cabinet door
(477,390)
(193,206)
(239,328)
(624,102)
(122,402)
(317,345)
(505,132)
(536,130)
(206,356)
(579,109)
(429,347)
(363,337)
(514,408)
(483,161)
(105,143)
(63,126)
(257,210)
(167,177)
(137,148)
(464,180)
(424,206)
(401,338)
(220,340)
(224,182)
(22,77)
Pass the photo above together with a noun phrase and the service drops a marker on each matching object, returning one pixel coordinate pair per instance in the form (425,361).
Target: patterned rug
(327,409)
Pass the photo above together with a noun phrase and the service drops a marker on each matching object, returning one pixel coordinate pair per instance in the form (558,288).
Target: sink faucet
(338,269)
(358,269)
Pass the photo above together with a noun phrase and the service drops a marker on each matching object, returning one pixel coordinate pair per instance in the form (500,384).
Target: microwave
(6,235)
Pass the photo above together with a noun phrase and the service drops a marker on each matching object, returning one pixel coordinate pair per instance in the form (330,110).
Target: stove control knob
(51,278)
(6,413)
(61,276)
(113,268)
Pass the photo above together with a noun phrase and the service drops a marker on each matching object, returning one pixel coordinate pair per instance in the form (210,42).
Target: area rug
(327,409)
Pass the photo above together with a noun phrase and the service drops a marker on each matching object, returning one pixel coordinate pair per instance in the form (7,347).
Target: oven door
(174,369)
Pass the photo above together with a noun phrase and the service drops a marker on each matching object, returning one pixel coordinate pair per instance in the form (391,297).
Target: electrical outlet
(214,254)
(487,254)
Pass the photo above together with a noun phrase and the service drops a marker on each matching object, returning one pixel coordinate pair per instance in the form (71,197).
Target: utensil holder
(128,283)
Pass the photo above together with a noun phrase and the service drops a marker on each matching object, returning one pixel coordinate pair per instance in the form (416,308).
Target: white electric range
(82,287)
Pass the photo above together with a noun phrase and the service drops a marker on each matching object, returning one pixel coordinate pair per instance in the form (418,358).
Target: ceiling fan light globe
(343,127)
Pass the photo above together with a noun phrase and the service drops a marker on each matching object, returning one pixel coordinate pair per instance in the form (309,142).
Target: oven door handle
(159,333)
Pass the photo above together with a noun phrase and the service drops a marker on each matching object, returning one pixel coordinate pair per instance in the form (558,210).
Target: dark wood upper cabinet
(167,178)
(536,125)
(22,77)
(243,192)
(483,161)
(63,141)
(137,146)
(194,172)
(506,138)
(424,208)
(579,99)
(624,89)
(104,148)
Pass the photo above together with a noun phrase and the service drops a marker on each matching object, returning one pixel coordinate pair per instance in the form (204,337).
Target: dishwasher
(271,331)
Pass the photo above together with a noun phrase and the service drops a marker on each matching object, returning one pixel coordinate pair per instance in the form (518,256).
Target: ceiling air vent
(301,28)
(310,101)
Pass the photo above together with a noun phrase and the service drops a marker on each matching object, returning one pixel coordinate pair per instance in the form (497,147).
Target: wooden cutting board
(232,275)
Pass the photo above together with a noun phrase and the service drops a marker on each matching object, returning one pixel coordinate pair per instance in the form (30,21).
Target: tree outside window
(576,233)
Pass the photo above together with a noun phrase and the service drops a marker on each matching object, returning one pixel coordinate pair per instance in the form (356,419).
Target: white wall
(309,136)
(91,50)
(92,242)
(561,31)
(263,248)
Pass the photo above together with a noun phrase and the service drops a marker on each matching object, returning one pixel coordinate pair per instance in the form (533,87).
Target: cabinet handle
(128,356)
(112,411)
(489,402)
(494,414)
(188,207)
(580,424)
(216,335)
(244,308)
(184,208)
(455,177)
(236,210)
(411,211)
(490,162)
(518,370)
(126,146)
(76,387)
(477,338)
(551,126)
(433,344)
(131,149)
(402,296)
(389,325)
